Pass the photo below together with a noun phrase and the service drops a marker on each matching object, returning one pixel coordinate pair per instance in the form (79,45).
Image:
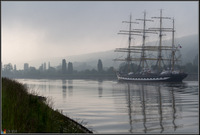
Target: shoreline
(28,113)
(188,78)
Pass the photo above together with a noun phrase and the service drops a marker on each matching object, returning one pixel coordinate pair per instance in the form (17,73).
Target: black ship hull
(152,77)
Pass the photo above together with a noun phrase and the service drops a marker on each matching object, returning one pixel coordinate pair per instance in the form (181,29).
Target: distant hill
(190,48)
(189,44)
(89,61)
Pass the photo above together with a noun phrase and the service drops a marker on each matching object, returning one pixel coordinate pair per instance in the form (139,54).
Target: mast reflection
(155,103)
(130,109)
(143,109)
(160,108)
(173,108)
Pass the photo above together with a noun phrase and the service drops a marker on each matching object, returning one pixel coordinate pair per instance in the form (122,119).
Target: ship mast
(144,31)
(142,49)
(173,47)
(129,33)
(161,29)
(129,45)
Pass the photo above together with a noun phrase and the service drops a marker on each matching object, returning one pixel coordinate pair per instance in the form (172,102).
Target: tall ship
(162,67)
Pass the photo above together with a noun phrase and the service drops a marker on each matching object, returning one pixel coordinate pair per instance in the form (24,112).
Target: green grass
(26,113)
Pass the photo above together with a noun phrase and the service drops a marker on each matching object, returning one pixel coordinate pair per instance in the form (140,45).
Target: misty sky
(38,30)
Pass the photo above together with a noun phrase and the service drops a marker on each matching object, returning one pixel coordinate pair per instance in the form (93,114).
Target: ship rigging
(144,71)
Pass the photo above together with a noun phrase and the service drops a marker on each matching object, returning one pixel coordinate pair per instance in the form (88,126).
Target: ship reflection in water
(152,108)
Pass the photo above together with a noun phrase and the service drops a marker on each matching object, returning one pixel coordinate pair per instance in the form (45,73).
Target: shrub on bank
(26,113)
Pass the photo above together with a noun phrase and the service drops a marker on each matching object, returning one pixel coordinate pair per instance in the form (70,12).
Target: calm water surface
(113,107)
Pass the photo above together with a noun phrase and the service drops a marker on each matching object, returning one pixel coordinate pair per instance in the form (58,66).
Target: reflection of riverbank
(67,84)
(100,88)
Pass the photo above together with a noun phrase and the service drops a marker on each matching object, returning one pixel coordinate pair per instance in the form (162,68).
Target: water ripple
(112,107)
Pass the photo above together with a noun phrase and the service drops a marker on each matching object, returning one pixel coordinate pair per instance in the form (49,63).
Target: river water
(114,107)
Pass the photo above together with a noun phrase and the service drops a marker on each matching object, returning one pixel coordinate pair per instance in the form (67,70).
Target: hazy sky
(37,30)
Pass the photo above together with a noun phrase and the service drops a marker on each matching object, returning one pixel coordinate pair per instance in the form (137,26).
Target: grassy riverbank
(26,113)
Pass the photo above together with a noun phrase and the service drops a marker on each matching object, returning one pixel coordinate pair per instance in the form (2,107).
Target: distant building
(45,66)
(15,68)
(100,66)
(49,65)
(64,66)
(70,68)
(41,68)
(26,66)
